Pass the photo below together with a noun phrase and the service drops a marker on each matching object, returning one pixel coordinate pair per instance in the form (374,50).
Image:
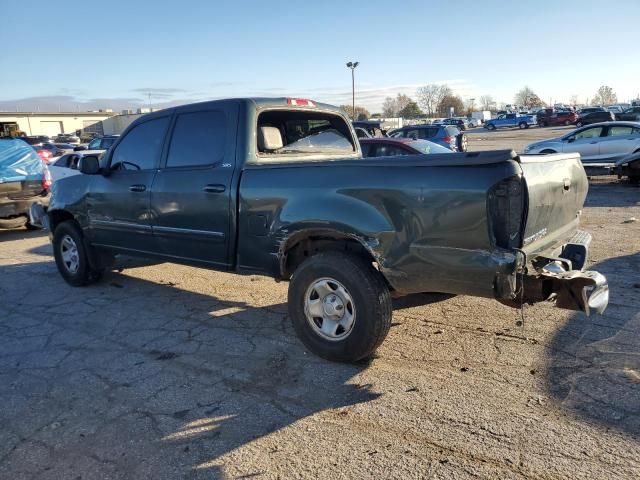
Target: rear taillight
(448,139)
(46,177)
(45,155)
(506,211)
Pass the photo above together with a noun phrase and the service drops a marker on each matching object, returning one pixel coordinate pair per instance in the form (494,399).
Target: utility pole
(352,66)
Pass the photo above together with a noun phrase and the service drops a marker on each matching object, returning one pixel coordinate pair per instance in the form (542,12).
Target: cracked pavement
(165,371)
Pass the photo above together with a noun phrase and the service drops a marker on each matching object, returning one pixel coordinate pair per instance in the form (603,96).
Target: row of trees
(437,100)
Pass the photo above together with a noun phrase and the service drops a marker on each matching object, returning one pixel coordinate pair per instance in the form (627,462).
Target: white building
(52,124)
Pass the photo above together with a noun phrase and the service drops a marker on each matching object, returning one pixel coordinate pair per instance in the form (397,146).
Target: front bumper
(559,277)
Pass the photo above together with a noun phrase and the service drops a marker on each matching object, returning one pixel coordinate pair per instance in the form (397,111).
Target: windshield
(427,147)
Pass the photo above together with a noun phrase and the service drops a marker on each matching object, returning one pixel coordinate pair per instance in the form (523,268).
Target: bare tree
(389,107)
(487,102)
(604,96)
(430,97)
(528,98)
(392,107)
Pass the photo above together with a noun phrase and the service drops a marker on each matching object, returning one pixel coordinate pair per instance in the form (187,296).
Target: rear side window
(420,133)
(295,133)
(107,142)
(63,161)
(198,139)
(452,131)
(140,149)
(619,131)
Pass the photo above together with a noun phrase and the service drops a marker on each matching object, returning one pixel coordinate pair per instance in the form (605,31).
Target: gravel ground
(165,371)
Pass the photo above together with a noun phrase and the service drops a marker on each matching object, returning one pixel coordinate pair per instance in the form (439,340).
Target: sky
(112,54)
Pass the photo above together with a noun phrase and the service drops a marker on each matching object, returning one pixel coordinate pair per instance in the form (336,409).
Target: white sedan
(599,144)
(67,164)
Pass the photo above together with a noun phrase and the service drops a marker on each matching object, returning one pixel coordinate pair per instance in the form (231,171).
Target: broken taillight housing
(506,212)
(46,177)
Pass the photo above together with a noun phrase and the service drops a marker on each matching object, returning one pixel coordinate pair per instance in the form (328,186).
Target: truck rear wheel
(522,125)
(72,257)
(491,126)
(340,306)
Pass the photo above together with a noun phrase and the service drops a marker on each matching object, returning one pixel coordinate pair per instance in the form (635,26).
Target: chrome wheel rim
(69,254)
(329,309)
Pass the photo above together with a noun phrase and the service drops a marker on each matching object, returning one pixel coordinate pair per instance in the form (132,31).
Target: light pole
(352,66)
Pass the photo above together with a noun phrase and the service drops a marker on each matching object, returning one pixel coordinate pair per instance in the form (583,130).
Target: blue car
(24,180)
(510,120)
(447,136)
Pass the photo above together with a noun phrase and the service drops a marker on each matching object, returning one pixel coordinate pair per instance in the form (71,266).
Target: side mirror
(89,165)
(79,148)
(571,139)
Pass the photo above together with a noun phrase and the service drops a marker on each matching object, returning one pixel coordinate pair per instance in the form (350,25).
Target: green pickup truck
(279,186)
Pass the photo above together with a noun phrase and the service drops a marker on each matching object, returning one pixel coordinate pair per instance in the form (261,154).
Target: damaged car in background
(280,187)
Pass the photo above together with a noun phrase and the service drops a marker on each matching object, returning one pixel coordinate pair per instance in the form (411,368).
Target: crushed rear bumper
(560,278)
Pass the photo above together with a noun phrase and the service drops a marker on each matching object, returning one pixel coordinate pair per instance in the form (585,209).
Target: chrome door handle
(137,188)
(214,188)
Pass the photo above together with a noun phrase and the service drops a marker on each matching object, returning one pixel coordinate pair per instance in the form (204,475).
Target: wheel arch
(308,242)
(56,217)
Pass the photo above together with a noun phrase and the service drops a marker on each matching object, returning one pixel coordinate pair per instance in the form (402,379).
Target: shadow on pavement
(152,380)
(595,361)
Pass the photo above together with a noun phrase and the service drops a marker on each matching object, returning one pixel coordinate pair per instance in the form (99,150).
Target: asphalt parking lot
(482,139)
(164,371)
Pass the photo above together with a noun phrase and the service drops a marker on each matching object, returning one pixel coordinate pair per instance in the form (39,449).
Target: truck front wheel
(522,125)
(71,255)
(491,126)
(340,306)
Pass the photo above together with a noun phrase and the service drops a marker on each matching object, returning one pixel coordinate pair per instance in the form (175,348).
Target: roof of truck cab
(259,102)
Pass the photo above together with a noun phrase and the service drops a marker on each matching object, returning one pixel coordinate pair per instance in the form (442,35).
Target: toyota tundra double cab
(279,186)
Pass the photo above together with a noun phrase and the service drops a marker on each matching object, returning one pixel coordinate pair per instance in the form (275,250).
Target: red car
(549,117)
(388,147)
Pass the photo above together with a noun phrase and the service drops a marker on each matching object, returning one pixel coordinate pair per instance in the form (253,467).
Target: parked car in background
(614,109)
(67,138)
(456,122)
(599,145)
(550,117)
(473,122)
(45,155)
(51,148)
(35,139)
(372,127)
(447,136)
(585,110)
(279,186)
(99,143)
(24,180)
(67,165)
(388,147)
(361,132)
(594,117)
(630,114)
(510,120)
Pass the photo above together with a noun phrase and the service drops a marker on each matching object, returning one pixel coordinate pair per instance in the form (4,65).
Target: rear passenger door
(619,141)
(191,197)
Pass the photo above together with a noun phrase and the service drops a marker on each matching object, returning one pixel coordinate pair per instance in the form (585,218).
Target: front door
(586,143)
(192,192)
(118,204)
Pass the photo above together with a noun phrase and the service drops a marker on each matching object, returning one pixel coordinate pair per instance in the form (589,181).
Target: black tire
(83,274)
(542,124)
(567,123)
(370,299)
(522,125)
(491,127)
(462,143)
(634,179)
(579,124)
(16,222)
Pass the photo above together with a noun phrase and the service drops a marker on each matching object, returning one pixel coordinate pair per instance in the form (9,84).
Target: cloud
(153,90)
(369,96)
